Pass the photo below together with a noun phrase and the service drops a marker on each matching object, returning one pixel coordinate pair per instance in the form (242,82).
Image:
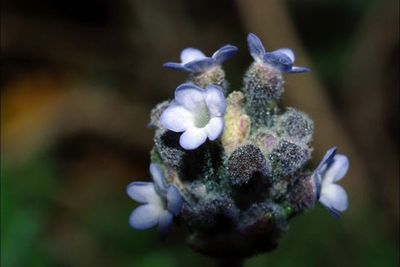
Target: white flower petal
(337,170)
(288,52)
(190,54)
(215,100)
(333,196)
(158,177)
(192,138)
(190,96)
(214,128)
(176,118)
(143,192)
(145,216)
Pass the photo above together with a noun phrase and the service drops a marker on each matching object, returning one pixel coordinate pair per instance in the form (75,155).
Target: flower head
(194,61)
(160,202)
(198,113)
(332,168)
(282,59)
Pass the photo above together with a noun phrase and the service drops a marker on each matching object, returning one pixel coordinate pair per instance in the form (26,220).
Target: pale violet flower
(332,168)
(194,61)
(160,202)
(282,59)
(197,112)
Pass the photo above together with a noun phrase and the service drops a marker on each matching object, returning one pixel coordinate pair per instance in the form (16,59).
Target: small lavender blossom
(282,59)
(160,202)
(198,113)
(194,61)
(332,168)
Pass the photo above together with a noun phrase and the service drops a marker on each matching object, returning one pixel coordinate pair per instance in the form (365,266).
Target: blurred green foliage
(26,203)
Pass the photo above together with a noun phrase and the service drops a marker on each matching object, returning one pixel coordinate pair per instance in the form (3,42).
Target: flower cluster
(232,164)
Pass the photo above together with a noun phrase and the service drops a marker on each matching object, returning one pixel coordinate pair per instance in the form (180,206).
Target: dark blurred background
(79,79)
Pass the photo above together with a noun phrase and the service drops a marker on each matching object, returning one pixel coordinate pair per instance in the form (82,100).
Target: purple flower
(332,168)
(198,113)
(194,61)
(282,59)
(160,202)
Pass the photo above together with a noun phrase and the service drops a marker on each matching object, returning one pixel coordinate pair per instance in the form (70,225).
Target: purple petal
(214,128)
(158,178)
(279,60)
(215,100)
(145,216)
(192,138)
(142,192)
(327,160)
(174,200)
(316,176)
(164,223)
(296,69)
(191,54)
(200,65)
(176,118)
(287,51)
(224,53)
(256,48)
(175,66)
(189,96)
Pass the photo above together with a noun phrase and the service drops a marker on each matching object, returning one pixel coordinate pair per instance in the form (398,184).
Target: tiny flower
(282,59)
(197,112)
(160,202)
(331,169)
(194,61)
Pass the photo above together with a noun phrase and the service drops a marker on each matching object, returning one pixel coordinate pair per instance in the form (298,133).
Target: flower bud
(214,214)
(296,125)
(244,162)
(237,124)
(288,157)
(263,87)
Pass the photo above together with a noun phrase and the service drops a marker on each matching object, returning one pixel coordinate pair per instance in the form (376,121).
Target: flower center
(202,117)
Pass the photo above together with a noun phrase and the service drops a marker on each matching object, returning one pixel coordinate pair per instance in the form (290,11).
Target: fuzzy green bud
(263,87)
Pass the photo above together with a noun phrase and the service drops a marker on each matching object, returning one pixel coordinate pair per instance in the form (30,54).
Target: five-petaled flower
(194,61)
(160,202)
(197,112)
(282,59)
(332,168)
